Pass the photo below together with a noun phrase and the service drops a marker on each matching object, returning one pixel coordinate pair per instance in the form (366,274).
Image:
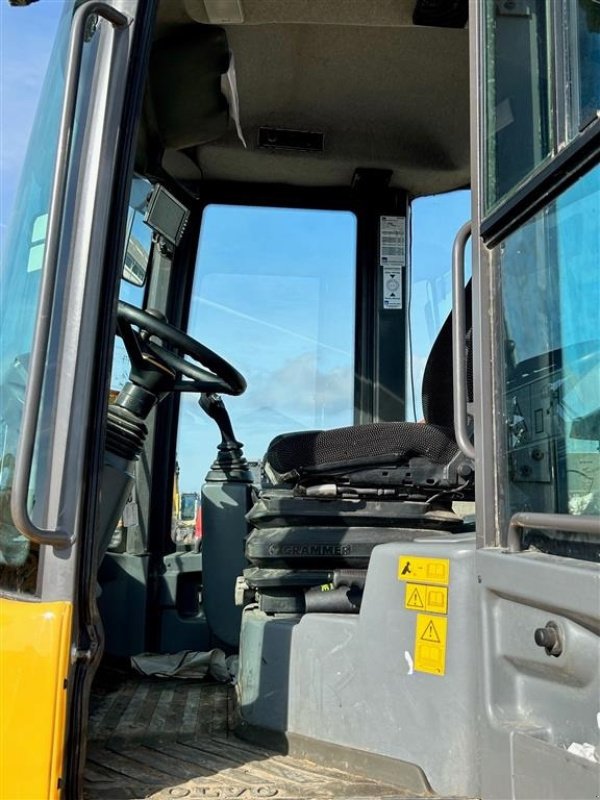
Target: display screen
(166,215)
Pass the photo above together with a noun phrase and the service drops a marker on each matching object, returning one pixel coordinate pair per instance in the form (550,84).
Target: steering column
(163,360)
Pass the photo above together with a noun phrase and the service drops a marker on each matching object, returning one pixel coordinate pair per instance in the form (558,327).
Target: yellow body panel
(34,662)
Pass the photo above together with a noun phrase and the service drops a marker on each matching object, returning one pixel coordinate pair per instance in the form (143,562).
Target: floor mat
(166,739)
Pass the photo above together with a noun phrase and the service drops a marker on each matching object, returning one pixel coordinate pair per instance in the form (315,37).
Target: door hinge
(79,655)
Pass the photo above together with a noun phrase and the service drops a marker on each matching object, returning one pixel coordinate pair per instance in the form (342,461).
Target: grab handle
(459,359)
(56,537)
(567,523)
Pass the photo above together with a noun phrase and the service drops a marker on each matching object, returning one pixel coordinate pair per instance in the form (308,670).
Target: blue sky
(26,36)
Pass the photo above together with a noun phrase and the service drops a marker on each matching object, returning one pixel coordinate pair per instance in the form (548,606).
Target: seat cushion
(359,445)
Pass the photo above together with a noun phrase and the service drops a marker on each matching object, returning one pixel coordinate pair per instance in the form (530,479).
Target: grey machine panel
(537,705)
(351,680)
(224,506)
(122,602)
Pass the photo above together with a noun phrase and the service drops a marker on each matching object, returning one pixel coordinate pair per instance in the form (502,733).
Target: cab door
(536,222)
(52,373)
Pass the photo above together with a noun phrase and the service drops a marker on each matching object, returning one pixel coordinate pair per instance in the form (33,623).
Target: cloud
(301,386)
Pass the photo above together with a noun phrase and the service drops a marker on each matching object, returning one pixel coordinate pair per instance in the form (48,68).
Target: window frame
(575,148)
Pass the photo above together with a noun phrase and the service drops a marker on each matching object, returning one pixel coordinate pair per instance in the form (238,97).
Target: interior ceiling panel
(383,13)
(384,94)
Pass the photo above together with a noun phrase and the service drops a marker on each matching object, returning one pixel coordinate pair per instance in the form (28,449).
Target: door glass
(274,293)
(19,289)
(22,266)
(550,277)
(587,51)
(518,122)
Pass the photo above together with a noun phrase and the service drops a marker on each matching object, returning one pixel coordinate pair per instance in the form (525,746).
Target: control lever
(230,455)
(213,405)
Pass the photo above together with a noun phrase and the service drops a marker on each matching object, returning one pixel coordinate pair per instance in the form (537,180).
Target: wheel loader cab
(336,495)
(272,216)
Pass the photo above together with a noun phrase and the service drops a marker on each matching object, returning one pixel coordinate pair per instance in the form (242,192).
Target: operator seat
(333,495)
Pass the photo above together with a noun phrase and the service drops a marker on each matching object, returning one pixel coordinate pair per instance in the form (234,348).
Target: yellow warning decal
(426,598)
(430,644)
(415,597)
(424,570)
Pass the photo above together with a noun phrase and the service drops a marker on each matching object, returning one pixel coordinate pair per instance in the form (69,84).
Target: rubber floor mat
(166,739)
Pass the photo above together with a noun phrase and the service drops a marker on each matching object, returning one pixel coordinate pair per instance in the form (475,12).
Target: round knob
(549,638)
(546,637)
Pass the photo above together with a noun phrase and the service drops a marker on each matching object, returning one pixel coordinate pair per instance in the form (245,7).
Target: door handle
(567,523)
(459,361)
(56,537)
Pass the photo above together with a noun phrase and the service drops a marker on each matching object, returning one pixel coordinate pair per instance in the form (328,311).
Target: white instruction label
(392,241)
(392,258)
(392,288)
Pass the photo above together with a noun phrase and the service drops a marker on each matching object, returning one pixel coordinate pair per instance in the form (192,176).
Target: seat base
(299,544)
(325,548)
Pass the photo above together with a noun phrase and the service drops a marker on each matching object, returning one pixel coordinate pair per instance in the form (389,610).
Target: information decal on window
(392,259)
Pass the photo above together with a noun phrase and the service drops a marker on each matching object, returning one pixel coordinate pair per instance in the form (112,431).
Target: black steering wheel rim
(219,376)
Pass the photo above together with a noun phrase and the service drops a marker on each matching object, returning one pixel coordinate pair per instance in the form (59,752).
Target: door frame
(520,591)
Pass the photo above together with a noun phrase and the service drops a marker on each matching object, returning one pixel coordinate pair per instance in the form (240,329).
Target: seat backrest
(437,394)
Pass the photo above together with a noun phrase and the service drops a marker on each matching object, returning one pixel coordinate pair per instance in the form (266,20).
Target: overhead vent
(441,13)
(285,139)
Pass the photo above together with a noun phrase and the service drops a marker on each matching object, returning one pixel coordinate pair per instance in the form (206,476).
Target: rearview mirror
(139,235)
(135,264)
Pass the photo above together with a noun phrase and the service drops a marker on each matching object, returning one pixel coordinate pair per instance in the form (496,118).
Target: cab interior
(257,563)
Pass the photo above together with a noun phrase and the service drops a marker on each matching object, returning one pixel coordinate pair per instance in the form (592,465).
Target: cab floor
(155,738)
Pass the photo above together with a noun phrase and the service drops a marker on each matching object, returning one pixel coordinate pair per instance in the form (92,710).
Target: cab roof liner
(382,93)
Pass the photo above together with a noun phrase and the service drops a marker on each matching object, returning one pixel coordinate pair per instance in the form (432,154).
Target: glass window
(550,277)
(518,135)
(19,288)
(19,292)
(274,294)
(434,224)
(587,49)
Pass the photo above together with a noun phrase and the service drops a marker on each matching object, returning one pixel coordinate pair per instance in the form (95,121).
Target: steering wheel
(150,358)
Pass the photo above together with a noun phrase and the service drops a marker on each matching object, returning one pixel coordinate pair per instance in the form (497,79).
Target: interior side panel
(538,705)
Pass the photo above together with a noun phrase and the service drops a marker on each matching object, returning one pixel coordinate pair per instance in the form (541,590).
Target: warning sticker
(415,597)
(424,570)
(437,599)
(392,241)
(426,598)
(430,644)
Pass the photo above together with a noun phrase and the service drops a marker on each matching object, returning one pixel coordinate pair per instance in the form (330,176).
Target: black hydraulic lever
(230,456)
(213,405)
